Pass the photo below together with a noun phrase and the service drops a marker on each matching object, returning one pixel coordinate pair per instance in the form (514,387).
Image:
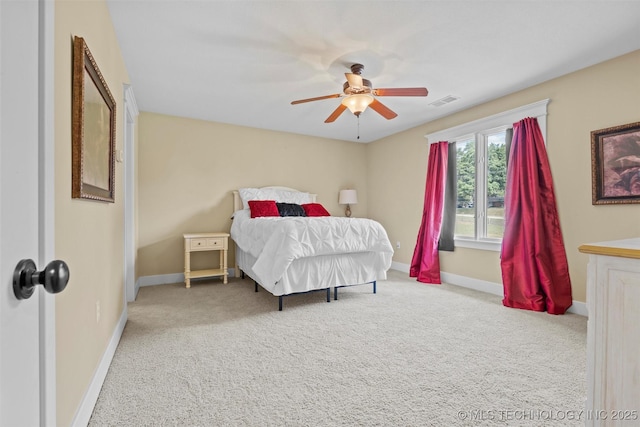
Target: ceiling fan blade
(355,80)
(406,91)
(300,101)
(382,109)
(335,114)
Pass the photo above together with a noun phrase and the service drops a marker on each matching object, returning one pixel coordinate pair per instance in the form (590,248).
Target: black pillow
(290,209)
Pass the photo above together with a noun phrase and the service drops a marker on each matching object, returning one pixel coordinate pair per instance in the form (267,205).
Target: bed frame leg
(374,286)
(256,285)
(328,294)
(242,274)
(280,303)
(335,293)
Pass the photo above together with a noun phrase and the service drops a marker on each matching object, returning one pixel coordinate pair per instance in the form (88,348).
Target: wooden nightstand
(197,242)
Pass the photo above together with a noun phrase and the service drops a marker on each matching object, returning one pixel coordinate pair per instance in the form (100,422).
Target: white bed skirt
(320,272)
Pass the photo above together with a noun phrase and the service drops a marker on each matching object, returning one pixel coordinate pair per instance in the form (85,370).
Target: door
(27,345)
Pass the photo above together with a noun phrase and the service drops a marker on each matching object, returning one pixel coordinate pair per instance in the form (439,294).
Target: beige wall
(89,235)
(597,97)
(188,168)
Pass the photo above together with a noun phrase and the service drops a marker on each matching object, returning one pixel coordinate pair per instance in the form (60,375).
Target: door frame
(130,113)
(46,207)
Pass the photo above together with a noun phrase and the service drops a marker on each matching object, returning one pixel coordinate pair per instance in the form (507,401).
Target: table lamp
(348,197)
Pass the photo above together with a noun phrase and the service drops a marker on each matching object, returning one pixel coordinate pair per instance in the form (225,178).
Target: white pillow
(247,194)
(298,197)
(281,196)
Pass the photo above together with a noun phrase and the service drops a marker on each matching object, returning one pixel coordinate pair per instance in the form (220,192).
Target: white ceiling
(243,62)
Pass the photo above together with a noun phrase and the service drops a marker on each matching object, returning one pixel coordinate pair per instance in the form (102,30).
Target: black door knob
(54,278)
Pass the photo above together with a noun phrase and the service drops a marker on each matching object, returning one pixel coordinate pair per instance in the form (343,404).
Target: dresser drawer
(208,243)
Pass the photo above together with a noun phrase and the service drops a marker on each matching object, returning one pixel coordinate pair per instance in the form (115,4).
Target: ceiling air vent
(446,100)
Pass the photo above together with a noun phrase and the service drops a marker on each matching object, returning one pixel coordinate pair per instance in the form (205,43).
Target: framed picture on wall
(93,129)
(615,165)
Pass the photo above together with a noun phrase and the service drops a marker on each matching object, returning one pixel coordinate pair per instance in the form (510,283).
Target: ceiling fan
(358,94)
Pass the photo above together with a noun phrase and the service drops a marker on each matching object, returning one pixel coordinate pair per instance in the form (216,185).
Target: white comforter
(276,242)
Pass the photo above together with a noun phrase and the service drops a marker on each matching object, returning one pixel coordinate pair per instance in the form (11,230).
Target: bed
(288,255)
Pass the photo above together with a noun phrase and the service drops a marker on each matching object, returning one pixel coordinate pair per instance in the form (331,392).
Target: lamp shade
(348,197)
(357,103)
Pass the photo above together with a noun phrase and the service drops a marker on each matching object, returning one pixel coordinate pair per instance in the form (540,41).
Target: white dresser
(613,333)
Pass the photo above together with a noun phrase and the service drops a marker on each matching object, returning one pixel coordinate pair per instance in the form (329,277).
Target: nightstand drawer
(198,243)
(216,243)
(208,243)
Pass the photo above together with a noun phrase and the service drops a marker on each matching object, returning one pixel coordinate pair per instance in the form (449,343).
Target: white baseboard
(471,283)
(161,279)
(577,307)
(136,289)
(398,266)
(83,414)
(167,279)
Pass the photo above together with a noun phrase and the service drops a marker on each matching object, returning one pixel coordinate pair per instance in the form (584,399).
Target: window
(481,159)
(466,188)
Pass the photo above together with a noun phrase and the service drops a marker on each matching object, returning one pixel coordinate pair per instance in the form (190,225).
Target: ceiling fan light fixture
(358,94)
(357,103)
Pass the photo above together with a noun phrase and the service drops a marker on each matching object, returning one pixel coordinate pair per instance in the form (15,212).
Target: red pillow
(263,208)
(315,209)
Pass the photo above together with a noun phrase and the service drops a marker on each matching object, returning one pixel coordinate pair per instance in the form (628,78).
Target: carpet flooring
(410,355)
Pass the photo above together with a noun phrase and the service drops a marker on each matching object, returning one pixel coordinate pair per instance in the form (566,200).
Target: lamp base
(347,212)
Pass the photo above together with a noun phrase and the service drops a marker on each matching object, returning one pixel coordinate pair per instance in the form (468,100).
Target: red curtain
(534,266)
(425,264)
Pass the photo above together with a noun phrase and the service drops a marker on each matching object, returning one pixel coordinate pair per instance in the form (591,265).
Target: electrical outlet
(397,245)
(97,311)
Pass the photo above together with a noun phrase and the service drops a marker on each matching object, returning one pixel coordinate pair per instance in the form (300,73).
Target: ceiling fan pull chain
(358,126)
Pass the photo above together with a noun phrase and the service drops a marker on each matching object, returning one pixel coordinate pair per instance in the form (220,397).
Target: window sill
(478,244)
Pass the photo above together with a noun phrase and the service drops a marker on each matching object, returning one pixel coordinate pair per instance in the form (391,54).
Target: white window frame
(478,130)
